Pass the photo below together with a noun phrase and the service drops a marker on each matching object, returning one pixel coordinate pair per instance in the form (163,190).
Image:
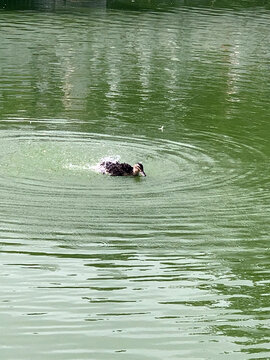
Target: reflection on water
(48,5)
(161,5)
(165,5)
(30,4)
(174,265)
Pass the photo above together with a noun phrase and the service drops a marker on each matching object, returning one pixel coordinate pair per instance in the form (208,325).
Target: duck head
(138,170)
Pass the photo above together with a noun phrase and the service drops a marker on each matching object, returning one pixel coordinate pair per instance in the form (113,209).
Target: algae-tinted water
(171,266)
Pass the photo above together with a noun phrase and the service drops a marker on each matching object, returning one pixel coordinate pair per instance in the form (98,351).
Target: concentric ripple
(49,184)
(55,161)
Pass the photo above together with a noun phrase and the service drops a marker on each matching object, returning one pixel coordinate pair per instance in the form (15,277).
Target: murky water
(171,266)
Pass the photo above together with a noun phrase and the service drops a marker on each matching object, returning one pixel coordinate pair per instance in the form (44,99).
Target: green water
(171,266)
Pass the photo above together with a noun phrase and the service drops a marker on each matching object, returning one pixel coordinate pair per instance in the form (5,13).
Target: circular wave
(65,161)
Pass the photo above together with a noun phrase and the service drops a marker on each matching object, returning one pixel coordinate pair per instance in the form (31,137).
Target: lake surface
(171,266)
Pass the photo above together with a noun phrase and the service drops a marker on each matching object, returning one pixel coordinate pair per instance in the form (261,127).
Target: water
(171,266)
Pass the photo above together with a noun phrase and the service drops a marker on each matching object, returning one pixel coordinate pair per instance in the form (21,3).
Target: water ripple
(65,162)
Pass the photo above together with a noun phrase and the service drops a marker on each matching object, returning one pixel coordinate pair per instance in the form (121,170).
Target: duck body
(121,169)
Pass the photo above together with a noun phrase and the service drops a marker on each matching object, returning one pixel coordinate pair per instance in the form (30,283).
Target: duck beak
(142,173)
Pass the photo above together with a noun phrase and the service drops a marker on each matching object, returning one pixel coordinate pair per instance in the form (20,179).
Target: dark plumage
(122,169)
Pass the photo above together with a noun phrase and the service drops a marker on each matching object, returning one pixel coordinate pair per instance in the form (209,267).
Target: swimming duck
(122,169)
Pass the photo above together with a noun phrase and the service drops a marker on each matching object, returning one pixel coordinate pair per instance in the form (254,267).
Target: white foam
(71,166)
(101,168)
(112,159)
(96,168)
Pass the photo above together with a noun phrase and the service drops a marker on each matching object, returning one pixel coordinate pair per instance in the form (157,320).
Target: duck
(122,169)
